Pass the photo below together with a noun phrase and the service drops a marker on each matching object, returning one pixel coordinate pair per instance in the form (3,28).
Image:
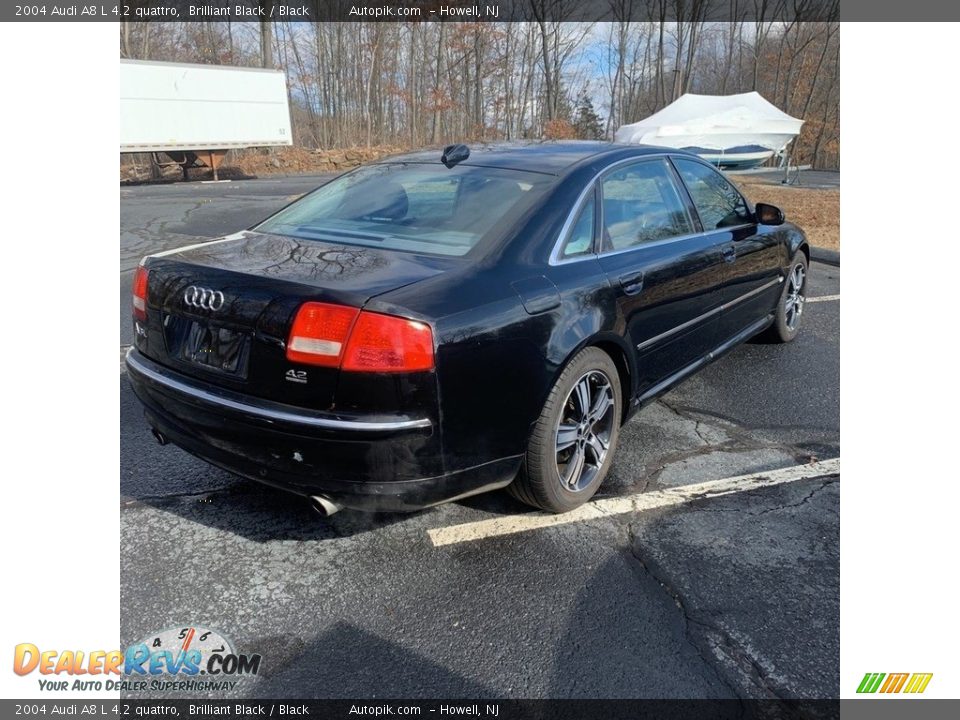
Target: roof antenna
(453,154)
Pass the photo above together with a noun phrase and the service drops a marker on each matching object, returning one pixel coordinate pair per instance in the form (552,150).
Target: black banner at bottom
(440,709)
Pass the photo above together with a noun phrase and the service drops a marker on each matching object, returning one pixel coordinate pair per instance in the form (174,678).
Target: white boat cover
(715,122)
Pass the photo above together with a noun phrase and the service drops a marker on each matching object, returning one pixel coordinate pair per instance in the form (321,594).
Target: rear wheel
(574,439)
(793,299)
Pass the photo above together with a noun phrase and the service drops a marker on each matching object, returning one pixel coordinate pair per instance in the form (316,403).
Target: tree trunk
(266,41)
(549,99)
(435,125)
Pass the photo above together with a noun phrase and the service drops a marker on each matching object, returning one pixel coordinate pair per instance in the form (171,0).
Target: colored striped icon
(894,682)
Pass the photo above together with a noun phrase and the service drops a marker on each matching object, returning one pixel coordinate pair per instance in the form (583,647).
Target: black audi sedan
(441,324)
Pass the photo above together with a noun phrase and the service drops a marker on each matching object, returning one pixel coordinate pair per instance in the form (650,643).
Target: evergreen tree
(588,125)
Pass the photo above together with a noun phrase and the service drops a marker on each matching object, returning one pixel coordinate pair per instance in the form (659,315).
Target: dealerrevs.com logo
(183,658)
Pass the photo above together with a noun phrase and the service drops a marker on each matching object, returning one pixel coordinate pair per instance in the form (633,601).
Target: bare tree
(409,84)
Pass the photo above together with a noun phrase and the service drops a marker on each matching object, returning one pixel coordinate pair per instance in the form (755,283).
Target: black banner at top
(759,11)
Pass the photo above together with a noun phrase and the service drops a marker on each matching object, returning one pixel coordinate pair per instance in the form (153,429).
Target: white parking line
(630,504)
(823,298)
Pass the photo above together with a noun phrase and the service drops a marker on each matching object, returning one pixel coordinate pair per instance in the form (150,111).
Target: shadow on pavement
(605,641)
(345,661)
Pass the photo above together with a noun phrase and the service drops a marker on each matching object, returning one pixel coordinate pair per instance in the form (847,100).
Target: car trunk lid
(222,311)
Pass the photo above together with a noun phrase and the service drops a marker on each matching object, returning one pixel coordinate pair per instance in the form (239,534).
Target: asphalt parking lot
(720,595)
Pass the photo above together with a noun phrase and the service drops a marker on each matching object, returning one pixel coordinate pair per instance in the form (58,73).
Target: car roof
(550,156)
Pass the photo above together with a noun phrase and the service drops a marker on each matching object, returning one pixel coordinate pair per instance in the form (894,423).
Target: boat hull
(736,158)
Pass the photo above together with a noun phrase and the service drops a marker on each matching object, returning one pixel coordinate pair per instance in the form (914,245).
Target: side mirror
(768,214)
(453,154)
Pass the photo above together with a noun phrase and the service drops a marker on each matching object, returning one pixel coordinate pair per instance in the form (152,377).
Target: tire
(789,312)
(592,436)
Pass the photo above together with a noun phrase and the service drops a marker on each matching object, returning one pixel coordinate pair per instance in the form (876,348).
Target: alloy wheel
(796,297)
(584,430)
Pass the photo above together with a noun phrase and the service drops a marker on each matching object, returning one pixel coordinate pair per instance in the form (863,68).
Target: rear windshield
(417,208)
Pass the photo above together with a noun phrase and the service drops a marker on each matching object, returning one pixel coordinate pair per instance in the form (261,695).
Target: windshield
(417,208)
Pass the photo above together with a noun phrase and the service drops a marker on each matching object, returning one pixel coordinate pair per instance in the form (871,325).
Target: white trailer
(196,113)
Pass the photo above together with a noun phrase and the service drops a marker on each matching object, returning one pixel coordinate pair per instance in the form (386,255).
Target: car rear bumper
(378,462)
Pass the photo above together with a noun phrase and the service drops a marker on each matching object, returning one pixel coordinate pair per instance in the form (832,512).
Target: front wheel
(574,439)
(793,299)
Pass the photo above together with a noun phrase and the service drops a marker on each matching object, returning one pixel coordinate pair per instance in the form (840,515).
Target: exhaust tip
(159,436)
(323,506)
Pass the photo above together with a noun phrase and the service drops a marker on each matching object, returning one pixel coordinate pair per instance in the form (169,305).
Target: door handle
(729,253)
(632,283)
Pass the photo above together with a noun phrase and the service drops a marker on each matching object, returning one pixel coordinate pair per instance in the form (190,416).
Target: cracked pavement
(729,597)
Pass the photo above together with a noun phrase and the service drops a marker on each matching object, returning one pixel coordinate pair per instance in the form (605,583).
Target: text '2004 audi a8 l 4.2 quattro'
(438,325)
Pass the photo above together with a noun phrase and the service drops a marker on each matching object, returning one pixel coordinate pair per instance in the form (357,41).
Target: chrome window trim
(666,241)
(267,414)
(556,260)
(710,313)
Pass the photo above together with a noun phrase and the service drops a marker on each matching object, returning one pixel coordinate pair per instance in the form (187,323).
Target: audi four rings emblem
(203,298)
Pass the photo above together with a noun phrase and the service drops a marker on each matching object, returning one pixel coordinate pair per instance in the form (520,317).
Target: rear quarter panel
(497,358)
(490,362)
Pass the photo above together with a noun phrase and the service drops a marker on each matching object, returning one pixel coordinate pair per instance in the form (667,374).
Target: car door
(752,253)
(666,276)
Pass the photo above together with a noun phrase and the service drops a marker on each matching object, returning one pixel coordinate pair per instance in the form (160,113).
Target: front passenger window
(641,204)
(718,203)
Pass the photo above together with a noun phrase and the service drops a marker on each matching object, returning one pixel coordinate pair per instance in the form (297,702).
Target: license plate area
(209,346)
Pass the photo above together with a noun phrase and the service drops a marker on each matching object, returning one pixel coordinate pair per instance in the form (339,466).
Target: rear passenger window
(580,240)
(641,204)
(718,203)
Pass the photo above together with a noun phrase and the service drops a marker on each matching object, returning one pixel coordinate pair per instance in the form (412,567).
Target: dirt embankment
(258,163)
(815,210)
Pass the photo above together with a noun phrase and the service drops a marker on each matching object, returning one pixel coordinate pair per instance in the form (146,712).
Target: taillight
(319,333)
(384,343)
(359,341)
(140,294)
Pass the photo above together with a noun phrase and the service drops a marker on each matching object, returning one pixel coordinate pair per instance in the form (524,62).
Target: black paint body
(505,320)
